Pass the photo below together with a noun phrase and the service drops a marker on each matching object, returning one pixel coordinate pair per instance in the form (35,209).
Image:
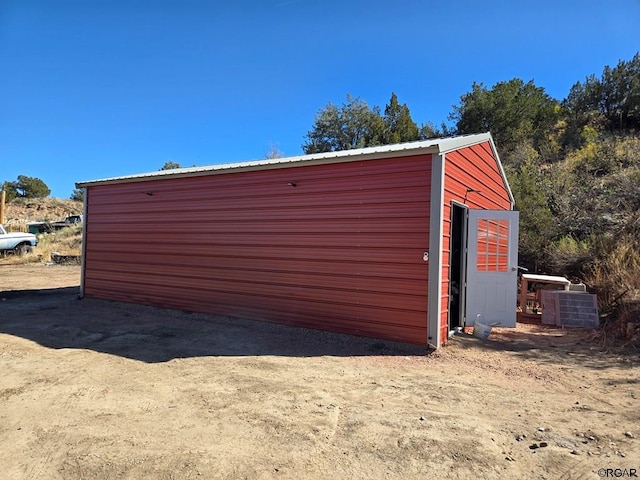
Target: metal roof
(434,146)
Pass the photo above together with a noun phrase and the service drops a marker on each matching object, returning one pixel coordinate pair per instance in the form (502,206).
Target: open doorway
(457,265)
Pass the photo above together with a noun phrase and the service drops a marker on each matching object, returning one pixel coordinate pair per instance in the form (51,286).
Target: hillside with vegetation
(22,210)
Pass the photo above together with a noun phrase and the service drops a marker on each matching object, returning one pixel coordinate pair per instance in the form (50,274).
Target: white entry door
(492,267)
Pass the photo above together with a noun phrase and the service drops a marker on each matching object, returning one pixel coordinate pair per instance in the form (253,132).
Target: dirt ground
(100,390)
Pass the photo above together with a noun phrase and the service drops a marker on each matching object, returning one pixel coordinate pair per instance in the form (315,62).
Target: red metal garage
(370,241)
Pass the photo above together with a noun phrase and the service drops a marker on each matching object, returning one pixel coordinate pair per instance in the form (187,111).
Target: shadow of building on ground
(56,318)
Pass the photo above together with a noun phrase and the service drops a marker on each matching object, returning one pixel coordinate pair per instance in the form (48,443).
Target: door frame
(458,246)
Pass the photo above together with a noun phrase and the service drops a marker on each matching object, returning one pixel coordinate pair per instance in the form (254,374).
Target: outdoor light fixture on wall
(469,190)
(292,184)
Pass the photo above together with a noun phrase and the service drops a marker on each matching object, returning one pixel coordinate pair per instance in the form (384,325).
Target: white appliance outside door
(492,267)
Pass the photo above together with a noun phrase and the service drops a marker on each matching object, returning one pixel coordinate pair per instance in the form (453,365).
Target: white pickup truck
(16,242)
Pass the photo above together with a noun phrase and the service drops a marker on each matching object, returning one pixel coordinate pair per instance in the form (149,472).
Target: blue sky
(99,88)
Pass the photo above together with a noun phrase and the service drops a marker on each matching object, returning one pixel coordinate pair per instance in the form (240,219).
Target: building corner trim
(83,256)
(434,307)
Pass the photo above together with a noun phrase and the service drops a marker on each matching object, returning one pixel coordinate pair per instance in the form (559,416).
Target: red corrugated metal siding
(341,251)
(473,168)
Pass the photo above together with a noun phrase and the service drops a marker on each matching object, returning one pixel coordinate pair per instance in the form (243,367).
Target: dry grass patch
(67,241)
(616,279)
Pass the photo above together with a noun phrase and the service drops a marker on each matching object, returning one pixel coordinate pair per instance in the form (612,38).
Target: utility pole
(2,198)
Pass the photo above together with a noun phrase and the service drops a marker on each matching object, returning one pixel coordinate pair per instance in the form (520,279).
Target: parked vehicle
(48,227)
(18,243)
